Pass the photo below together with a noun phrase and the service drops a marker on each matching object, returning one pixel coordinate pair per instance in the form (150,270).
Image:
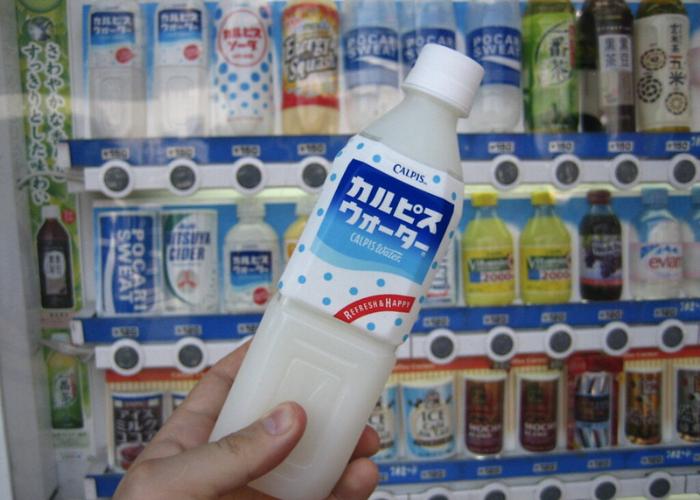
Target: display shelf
(535,466)
(249,164)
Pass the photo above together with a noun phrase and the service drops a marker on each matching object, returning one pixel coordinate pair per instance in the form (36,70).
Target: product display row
(170,259)
(249,67)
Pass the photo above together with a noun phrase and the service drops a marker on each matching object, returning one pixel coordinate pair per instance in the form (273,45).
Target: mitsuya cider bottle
(354,285)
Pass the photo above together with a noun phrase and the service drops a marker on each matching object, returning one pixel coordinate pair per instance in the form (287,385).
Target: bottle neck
(597,209)
(422,128)
(249,219)
(486,213)
(544,211)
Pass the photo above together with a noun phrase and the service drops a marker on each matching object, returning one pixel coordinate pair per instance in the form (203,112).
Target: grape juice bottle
(600,254)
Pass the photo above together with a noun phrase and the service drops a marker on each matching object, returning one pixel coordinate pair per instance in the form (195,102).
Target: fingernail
(279,420)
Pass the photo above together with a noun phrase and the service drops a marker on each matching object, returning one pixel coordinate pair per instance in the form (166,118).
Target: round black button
(126,357)
(249,176)
(626,172)
(190,356)
(605,491)
(502,344)
(495,495)
(567,172)
(672,336)
(560,341)
(442,347)
(617,339)
(182,177)
(438,497)
(684,171)
(660,488)
(550,493)
(507,173)
(314,175)
(116,179)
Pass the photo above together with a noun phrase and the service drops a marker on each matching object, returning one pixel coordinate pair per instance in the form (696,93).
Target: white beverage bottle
(494,41)
(691,247)
(656,251)
(117,79)
(423,22)
(371,60)
(694,66)
(251,260)
(180,68)
(355,284)
(242,95)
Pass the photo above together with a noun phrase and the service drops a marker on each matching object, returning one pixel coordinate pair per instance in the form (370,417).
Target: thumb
(217,468)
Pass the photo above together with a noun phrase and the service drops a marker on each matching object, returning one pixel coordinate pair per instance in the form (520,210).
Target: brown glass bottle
(55,272)
(604,58)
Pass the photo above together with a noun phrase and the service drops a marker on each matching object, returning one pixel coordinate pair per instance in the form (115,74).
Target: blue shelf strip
(97,330)
(398,473)
(224,150)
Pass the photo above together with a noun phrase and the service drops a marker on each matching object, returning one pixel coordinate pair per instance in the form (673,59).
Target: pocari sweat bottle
(117,79)
(371,59)
(493,40)
(180,67)
(423,22)
(356,281)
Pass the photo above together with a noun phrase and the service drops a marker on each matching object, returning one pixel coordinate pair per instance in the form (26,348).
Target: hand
(179,463)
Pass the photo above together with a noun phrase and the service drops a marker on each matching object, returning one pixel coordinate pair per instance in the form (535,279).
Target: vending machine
(163,158)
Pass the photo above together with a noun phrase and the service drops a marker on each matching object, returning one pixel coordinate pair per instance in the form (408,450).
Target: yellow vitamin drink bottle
(487,256)
(293,232)
(545,255)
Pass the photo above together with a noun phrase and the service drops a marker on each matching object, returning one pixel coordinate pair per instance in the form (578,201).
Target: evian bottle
(356,281)
(656,253)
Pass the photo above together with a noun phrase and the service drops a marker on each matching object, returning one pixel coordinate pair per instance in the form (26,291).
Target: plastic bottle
(605,63)
(293,232)
(371,60)
(251,260)
(181,67)
(55,266)
(354,286)
(488,268)
(600,254)
(243,101)
(310,32)
(545,255)
(694,63)
(64,385)
(661,32)
(422,22)
(494,41)
(691,248)
(550,83)
(656,250)
(117,79)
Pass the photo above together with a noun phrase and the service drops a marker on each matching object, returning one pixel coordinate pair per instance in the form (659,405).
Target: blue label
(377,223)
(112,28)
(497,49)
(371,57)
(250,267)
(175,25)
(429,420)
(129,263)
(413,41)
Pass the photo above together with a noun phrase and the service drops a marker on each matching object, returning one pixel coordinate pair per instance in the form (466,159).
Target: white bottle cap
(305,205)
(250,209)
(446,74)
(50,212)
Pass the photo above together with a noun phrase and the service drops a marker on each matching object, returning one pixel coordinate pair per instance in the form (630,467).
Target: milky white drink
(353,288)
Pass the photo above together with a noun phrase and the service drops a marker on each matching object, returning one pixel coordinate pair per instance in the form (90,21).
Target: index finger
(191,424)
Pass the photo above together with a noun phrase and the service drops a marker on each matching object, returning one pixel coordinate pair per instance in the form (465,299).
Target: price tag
(599,463)
(489,471)
(665,312)
(436,321)
(130,332)
(115,154)
(251,150)
(652,460)
(432,474)
(313,148)
(495,319)
(247,328)
(610,314)
(544,467)
(553,317)
(677,146)
(188,330)
(620,146)
(561,146)
(501,147)
(180,152)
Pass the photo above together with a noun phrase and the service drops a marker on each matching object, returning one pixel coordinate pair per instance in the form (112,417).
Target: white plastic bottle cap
(50,212)
(446,74)
(305,205)
(250,209)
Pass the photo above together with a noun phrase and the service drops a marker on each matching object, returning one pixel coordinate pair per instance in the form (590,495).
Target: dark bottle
(53,249)
(604,58)
(600,252)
